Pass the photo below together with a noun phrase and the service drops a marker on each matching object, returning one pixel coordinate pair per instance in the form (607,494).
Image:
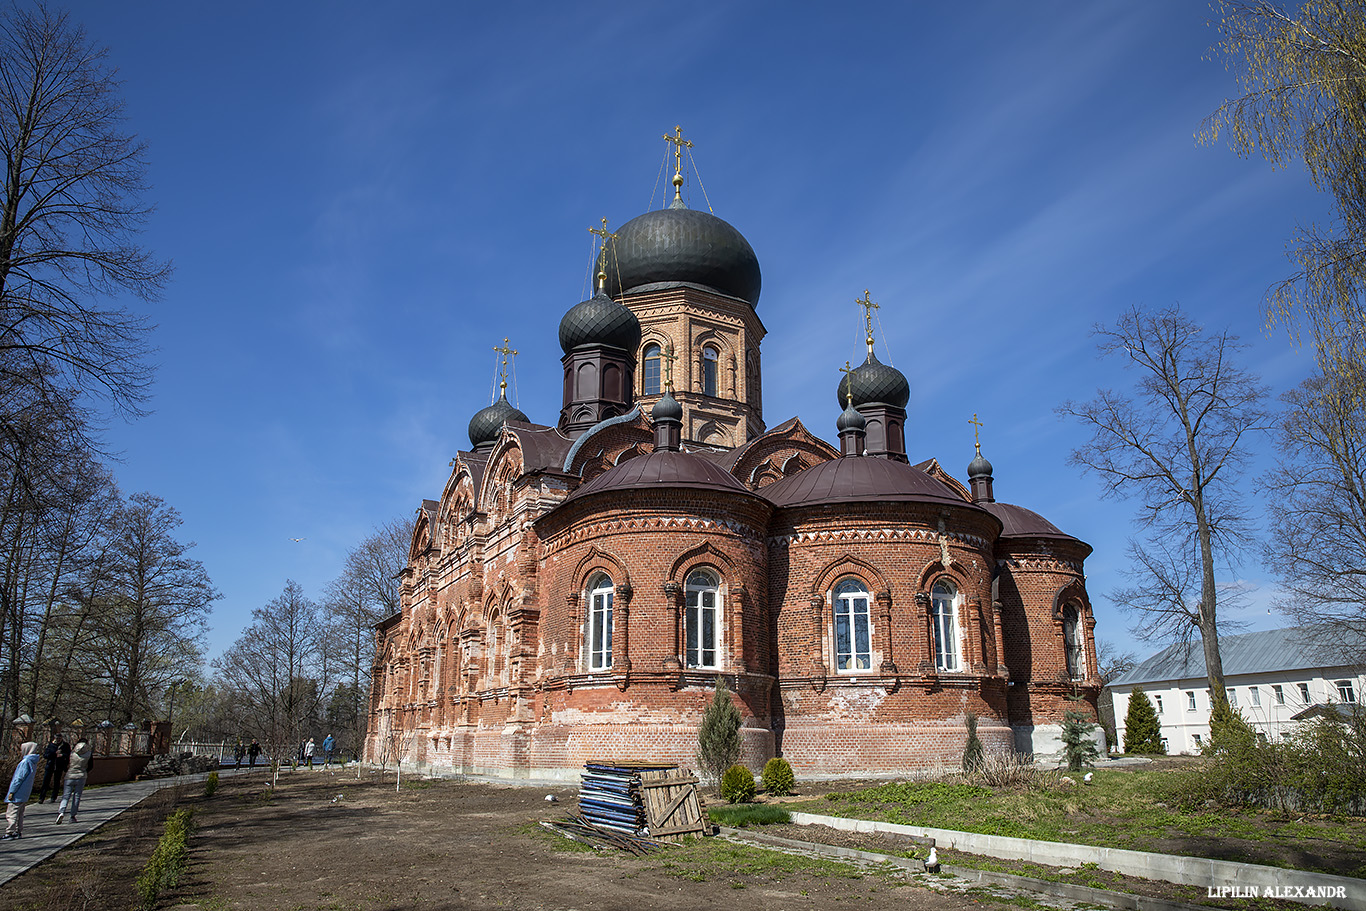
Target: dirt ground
(325,841)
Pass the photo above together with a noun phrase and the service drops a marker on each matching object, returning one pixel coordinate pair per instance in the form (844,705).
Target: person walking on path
(252,752)
(75,780)
(329,744)
(57,754)
(238,752)
(20,789)
(308,753)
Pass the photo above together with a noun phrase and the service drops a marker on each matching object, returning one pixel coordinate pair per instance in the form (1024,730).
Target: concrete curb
(1123,900)
(1244,880)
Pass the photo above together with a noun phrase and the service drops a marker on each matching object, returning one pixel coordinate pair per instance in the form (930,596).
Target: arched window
(1072,642)
(944,612)
(704,604)
(853,630)
(600,623)
(709,356)
(651,373)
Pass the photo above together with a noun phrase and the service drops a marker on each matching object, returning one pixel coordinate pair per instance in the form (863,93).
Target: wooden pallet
(672,807)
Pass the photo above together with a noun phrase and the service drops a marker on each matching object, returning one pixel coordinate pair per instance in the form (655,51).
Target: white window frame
(711,371)
(1073,642)
(1190,700)
(1157,700)
(1232,697)
(1256,694)
(851,603)
(702,621)
(1347,692)
(1305,696)
(1278,693)
(944,599)
(598,622)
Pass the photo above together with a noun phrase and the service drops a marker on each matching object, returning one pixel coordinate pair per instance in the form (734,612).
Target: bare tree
(1179,444)
(278,668)
(1302,97)
(1317,510)
(70,212)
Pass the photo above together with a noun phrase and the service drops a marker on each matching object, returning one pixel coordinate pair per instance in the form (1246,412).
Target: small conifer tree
(1077,744)
(1142,729)
(1229,731)
(972,751)
(718,736)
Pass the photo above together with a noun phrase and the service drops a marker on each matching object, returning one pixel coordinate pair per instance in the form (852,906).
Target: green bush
(778,778)
(737,784)
(1229,732)
(1077,745)
(1142,729)
(718,736)
(210,784)
(167,863)
(972,750)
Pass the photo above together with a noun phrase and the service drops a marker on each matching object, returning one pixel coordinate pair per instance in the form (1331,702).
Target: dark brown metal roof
(1024,523)
(663,469)
(543,448)
(859,480)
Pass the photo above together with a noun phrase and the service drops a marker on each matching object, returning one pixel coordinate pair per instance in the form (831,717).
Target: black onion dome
(979,467)
(874,381)
(850,419)
(488,422)
(667,409)
(671,247)
(599,321)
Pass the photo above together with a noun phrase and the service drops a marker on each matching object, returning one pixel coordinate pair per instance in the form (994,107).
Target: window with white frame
(1232,697)
(1190,700)
(1072,638)
(1346,691)
(710,357)
(1304,694)
(1198,742)
(853,627)
(1157,701)
(600,623)
(1278,694)
(704,603)
(650,374)
(944,614)
(1255,694)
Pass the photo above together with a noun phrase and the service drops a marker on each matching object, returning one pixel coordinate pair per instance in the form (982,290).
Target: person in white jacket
(76,774)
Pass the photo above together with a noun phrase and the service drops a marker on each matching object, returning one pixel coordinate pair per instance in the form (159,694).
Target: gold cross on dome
(849,390)
(868,307)
(668,357)
(606,236)
(679,144)
(976,432)
(503,370)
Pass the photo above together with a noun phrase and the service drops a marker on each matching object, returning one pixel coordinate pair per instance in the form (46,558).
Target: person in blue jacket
(20,789)
(329,744)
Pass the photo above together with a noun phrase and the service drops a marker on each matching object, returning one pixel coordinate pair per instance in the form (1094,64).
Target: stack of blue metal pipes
(609,796)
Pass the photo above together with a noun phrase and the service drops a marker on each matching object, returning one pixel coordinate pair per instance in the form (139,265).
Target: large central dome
(679,246)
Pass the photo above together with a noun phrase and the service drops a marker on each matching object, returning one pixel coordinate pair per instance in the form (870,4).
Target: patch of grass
(740,816)
(415,784)
(1123,809)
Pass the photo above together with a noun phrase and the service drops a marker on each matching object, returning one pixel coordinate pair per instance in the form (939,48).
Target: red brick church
(578,586)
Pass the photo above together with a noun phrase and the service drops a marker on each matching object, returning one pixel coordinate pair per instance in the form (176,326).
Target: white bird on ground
(932,862)
(1087,777)
(551,798)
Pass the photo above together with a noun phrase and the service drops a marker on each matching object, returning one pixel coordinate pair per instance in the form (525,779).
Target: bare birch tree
(1179,444)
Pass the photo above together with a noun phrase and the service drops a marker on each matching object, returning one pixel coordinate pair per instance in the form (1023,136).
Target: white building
(1274,677)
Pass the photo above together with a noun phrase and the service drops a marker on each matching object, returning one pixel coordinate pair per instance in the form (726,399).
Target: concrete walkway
(43,837)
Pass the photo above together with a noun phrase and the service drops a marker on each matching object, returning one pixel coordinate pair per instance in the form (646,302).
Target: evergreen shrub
(737,784)
(778,777)
(718,735)
(1142,729)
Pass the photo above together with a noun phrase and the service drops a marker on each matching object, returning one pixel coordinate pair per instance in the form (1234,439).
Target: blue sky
(362,200)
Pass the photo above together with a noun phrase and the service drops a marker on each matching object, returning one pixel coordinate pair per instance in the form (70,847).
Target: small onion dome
(876,382)
(667,248)
(667,409)
(488,422)
(979,467)
(599,321)
(850,419)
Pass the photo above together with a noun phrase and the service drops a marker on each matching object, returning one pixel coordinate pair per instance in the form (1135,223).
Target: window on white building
(600,623)
(945,616)
(1190,700)
(1198,742)
(853,627)
(1157,701)
(1232,697)
(1255,694)
(1346,691)
(1278,694)
(704,601)
(1304,694)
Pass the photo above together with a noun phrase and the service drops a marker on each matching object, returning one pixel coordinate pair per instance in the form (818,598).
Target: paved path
(43,837)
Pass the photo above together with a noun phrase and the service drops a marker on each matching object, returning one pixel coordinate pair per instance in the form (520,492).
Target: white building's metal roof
(1265,651)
